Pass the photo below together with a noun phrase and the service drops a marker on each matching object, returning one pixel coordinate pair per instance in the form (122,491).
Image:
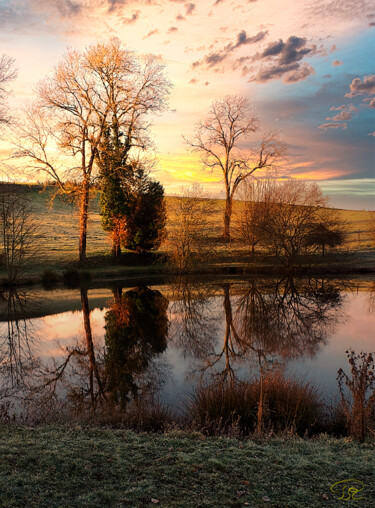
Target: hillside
(58,222)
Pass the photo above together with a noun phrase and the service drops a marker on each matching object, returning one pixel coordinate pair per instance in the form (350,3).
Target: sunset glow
(306,66)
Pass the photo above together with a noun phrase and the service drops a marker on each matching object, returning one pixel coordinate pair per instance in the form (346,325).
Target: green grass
(55,467)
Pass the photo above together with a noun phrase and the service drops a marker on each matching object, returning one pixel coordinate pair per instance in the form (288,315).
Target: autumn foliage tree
(220,138)
(103,85)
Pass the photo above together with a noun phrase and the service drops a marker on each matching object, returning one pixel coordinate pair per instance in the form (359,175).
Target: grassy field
(56,467)
(58,221)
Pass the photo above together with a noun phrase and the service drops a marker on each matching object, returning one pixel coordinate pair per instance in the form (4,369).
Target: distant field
(59,225)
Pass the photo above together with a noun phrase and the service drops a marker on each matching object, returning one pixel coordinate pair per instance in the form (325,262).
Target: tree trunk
(83,215)
(93,368)
(116,249)
(227,217)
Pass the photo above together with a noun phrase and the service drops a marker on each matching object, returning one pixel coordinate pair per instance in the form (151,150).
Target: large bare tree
(220,141)
(103,85)
(7,74)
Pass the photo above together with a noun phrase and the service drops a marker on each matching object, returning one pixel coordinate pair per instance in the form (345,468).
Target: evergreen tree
(147,215)
(132,204)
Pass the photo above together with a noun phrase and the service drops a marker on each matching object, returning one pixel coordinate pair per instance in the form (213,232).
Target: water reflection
(136,329)
(17,344)
(264,321)
(223,330)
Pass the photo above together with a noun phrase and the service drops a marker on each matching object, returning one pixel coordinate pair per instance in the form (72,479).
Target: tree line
(89,126)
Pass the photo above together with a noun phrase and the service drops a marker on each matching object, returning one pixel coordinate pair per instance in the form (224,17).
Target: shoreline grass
(61,467)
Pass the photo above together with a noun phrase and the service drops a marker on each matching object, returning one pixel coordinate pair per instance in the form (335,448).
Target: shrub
(50,278)
(359,408)
(191,227)
(74,278)
(287,405)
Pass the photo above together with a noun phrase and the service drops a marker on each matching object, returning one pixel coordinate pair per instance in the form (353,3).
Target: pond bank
(102,269)
(55,466)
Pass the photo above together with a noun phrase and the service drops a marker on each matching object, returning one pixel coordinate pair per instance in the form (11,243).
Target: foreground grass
(56,467)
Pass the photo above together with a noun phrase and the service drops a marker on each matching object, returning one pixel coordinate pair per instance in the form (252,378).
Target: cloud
(242,40)
(133,18)
(345,9)
(214,58)
(293,50)
(153,32)
(371,103)
(344,115)
(326,126)
(304,71)
(285,58)
(64,16)
(359,87)
(348,107)
(189,9)
(114,5)
(336,63)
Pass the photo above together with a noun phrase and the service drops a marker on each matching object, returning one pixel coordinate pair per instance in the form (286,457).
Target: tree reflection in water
(17,357)
(136,332)
(136,328)
(227,330)
(266,321)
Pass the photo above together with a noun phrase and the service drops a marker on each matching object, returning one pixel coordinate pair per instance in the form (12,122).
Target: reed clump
(273,404)
(358,394)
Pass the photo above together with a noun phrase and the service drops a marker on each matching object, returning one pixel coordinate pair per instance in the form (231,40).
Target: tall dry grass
(286,404)
(358,400)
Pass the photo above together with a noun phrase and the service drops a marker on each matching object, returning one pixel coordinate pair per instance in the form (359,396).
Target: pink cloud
(331,125)
(359,87)
(344,115)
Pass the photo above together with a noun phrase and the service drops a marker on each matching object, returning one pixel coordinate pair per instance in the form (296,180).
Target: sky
(307,67)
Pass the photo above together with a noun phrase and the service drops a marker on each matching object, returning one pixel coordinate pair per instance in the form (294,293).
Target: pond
(65,347)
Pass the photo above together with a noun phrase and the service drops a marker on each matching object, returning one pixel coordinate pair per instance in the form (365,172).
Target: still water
(74,346)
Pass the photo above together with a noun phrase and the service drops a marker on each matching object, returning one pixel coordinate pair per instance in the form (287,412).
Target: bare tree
(17,229)
(103,85)
(230,121)
(7,74)
(254,205)
(191,222)
(286,229)
(329,231)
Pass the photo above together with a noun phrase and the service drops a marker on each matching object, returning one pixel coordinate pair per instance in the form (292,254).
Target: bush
(287,405)
(191,227)
(50,278)
(359,409)
(74,278)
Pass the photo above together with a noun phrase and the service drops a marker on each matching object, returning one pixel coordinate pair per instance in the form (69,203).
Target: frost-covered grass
(59,467)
